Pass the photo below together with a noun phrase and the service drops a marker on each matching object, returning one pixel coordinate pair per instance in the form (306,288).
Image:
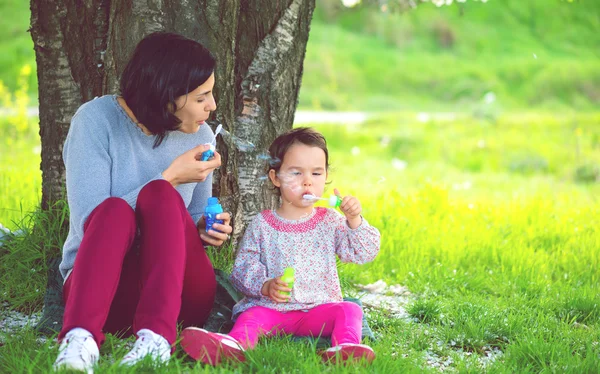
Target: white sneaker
(78,351)
(148,344)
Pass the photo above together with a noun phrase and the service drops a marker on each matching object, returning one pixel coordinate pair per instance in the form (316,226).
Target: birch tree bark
(82,46)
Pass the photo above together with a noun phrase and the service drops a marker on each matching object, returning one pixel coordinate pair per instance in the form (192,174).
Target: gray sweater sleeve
(88,167)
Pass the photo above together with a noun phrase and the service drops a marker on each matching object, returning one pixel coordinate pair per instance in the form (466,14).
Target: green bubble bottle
(288,277)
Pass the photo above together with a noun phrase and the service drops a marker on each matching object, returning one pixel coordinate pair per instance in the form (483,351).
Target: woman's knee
(113,209)
(117,204)
(156,192)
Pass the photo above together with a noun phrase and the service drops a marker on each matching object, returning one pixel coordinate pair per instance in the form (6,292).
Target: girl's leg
(258,321)
(167,235)
(89,290)
(211,348)
(342,321)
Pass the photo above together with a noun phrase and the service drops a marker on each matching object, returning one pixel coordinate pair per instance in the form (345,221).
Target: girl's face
(303,171)
(195,107)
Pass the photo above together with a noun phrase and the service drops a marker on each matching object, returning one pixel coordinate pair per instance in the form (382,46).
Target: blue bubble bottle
(210,213)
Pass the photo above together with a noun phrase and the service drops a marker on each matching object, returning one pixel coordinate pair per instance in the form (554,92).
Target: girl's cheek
(292,187)
(290,183)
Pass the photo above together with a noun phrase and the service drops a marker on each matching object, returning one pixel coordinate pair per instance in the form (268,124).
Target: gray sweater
(106,154)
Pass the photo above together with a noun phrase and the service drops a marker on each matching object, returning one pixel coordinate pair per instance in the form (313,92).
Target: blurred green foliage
(16,46)
(536,54)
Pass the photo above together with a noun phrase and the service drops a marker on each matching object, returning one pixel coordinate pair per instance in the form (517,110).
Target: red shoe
(348,351)
(210,347)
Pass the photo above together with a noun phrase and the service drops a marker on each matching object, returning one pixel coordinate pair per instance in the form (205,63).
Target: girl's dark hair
(163,67)
(304,135)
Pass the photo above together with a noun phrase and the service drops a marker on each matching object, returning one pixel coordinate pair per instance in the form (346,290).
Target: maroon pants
(118,286)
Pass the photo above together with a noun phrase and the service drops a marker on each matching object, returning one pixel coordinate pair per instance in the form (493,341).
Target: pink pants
(115,284)
(341,321)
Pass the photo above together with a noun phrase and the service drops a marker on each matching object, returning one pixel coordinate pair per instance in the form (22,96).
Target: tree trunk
(82,46)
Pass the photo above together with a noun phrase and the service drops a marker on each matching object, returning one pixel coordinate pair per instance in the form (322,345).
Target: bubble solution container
(210,213)
(208,154)
(288,277)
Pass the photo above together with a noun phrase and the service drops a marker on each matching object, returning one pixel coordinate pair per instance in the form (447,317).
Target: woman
(134,259)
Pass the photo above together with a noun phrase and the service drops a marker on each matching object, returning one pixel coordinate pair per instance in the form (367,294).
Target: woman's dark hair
(163,67)
(303,135)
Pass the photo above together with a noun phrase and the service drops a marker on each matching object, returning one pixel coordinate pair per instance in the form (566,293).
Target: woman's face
(195,107)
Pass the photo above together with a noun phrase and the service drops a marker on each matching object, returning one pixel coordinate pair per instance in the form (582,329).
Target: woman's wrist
(170,178)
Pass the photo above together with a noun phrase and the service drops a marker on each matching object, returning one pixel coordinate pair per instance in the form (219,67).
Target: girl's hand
(351,208)
(213,237)
(187,168)
(273,288)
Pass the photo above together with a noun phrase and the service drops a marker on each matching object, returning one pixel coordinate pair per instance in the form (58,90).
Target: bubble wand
(209,153)
(334,201)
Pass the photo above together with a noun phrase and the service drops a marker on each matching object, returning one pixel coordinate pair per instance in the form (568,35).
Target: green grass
(487,223)
(23,353)
(489,218)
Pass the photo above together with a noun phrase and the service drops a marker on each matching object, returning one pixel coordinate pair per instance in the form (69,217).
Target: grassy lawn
(489,214)
(492,226)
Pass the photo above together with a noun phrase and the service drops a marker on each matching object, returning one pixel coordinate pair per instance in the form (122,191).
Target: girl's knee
(351,308)
(257,314)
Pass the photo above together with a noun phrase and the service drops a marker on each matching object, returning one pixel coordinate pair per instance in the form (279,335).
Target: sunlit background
(485,97)
(470,132)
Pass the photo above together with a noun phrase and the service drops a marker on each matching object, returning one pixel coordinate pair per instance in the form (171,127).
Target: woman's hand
(213,237)
(351,208)
(187,168)
(273,288)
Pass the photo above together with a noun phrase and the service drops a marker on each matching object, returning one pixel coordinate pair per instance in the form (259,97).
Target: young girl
(307,239)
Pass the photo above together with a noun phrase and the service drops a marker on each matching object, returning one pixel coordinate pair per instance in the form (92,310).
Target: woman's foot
(210,347)
(348,352)
(148,344)
(78,351)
